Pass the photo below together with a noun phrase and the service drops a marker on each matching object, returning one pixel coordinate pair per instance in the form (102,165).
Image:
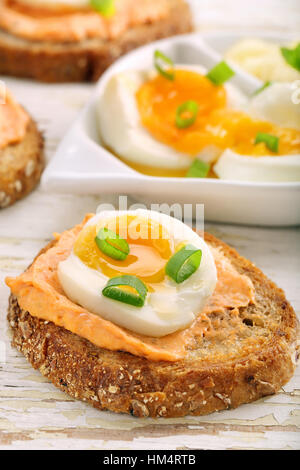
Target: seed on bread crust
(204,382)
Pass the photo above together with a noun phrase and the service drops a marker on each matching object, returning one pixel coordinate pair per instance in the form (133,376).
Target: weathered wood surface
(33,413)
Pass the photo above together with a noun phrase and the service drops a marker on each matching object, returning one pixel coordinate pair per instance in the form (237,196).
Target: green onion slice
(183,263)
(105,7)
(292,56)
(186,114)
(220,73)
(198,169)
(164,65)
(114,289)
(271,141)
(262,88)
(111,244)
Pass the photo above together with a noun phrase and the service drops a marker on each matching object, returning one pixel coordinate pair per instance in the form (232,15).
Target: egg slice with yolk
(274,104)
(147,257)
(215,124)
(143,104)
(152,238)
(129,138)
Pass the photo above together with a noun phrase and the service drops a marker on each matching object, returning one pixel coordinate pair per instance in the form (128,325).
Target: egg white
(232,166)
(262,59)
(121,129)
(273,104)
(172,308)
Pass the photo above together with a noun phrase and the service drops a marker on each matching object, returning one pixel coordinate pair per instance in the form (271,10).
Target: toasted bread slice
(21,165)
(85,60)
(215,376)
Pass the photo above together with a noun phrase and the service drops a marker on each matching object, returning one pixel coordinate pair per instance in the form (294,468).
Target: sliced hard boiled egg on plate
(275,104)
(151,131)
(233,166)
(120,122)
(121,129)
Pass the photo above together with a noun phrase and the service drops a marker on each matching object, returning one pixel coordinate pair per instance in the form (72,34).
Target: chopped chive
(164,65)
(220,73)
(188,109)
(184,263)
(292,56)
(262,88)
(112,244)
(105,7)
(198,169)
(271,141)
(113,290)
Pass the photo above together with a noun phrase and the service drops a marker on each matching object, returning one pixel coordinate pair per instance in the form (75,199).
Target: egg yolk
(149,243)
(215,124)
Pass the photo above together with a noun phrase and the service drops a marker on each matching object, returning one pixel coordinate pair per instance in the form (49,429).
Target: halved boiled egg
(153,278)
(233,166)
(275,104)
(275,107)
(163,122)
(136,118)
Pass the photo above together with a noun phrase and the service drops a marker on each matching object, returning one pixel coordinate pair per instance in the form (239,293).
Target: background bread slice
(21,166)
(85,60)
(212,377)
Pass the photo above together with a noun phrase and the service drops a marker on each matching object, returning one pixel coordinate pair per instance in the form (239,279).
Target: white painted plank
(33,413)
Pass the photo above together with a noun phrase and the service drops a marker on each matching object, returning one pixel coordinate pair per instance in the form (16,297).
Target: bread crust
(124,383)
(86,60)
(21,165)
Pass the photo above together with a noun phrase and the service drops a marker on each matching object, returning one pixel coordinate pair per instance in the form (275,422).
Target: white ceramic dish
(81,165)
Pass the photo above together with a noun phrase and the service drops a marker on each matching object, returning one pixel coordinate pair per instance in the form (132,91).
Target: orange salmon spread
(215,124)
(13,120)
(39,292)
(77,25)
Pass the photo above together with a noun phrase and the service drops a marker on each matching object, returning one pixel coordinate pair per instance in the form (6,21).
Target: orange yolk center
(149,246)
(159,98)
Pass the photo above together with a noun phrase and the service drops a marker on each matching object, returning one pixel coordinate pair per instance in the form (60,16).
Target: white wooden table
(36,415)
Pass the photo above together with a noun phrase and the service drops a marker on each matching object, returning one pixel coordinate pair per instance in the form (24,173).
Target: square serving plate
(82,165)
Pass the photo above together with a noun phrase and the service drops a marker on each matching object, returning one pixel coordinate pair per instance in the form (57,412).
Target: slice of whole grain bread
(84,60)
(215,375)
(21,165)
